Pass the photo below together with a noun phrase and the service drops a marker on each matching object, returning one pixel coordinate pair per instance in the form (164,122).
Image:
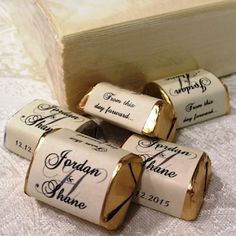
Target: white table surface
(22,215)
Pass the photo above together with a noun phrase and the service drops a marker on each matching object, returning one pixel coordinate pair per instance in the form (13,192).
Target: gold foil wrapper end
(121,191)
(197,189)
(162,122)
(155,90)
(81,105)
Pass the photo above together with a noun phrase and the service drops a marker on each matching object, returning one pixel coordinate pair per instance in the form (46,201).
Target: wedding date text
(23,146)
(152,198)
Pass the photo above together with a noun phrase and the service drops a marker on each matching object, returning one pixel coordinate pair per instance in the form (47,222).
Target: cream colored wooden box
(76,44)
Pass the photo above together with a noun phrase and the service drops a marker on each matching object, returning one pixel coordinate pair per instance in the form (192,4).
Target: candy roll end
(119,196)
(197,189)
(161,122)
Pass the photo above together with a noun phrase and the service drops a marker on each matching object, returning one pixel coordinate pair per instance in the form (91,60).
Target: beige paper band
(81,175)
(196,96)
(168,173)
(27,126)
(120,106)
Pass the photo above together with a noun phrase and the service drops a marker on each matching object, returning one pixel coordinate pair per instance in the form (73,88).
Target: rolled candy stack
(175,177)
(67,167)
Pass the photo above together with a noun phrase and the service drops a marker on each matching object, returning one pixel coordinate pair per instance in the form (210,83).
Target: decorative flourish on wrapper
(84,177)
(28,125)
(138,113)
(175,177)
(196,96)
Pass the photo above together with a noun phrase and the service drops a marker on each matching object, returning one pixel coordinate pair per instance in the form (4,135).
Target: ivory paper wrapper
(168,172)
(196,96)
(119,106)
(73,172)
(27,126)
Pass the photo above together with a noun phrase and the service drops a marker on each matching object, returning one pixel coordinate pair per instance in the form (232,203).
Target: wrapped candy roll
(175,177)
(84,177)
(27,126)
(196,96)
(139,113)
